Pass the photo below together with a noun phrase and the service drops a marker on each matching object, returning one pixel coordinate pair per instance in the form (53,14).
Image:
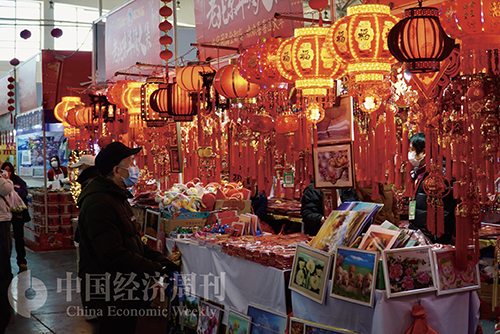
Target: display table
(244,281)
(453,313)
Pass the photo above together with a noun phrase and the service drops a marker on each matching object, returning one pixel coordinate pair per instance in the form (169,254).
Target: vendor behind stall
(57,172)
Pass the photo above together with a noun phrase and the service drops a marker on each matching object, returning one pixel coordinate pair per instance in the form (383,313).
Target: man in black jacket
(312,210)
(115,265)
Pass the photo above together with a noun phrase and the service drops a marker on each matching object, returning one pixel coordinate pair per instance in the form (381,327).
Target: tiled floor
(56,314)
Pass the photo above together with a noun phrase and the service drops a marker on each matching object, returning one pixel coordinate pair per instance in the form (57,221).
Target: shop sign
(28,98)
(229,23)
(132,36)
(29,122)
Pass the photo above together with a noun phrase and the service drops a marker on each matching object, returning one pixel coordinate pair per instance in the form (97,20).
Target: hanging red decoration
(14,61)
(261,122)
(84,116)
(259,63)
(190,77)
(25,34)
(70,115)
(476,25)
(318,4)
(165,27)
(115,92)
(229,83)
(131,97)
(419,41)
(171,99)
(287,123)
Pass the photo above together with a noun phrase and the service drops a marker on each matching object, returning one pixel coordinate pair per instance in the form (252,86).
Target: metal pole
(298,18)
(45,174)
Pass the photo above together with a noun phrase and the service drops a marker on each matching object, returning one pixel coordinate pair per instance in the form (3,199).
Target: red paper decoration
(262,123)
(165,26)
(62,107)
(318,4)
(287,123)
(11,94)
(84,116)
(70,115)
(229,83)
(131,97)
(171,99)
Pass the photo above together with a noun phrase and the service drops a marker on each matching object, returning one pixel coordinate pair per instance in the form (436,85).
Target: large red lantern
(84,116)
(171,99)
(190,77)
(229,83)
(261,122)
(305,59)
(67,103)
(360,40)
(287,123)
(70,115)
(131,97)
(419,41)
(115,92)
(259,63)
(477,25)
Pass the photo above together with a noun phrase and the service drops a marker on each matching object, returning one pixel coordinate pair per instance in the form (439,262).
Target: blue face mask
(133,176)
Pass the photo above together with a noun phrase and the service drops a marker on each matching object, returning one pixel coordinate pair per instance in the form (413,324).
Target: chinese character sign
(132,36)
(231,22)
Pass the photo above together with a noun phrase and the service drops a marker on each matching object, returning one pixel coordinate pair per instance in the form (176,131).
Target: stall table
(240,281)
(453,313)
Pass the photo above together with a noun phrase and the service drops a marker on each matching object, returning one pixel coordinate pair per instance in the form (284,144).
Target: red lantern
(360,40)
(171,99)
(287,123)
(67,103)
(25,34)
(70,116)
(131,97)
(56,32)
(261,122)
(229,83)
(259,63)
(116,92)
(419,41)
(304,59)
(190,77)
(84,116)
(14,61)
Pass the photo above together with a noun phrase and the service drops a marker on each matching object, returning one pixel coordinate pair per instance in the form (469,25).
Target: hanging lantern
(261,122)
(259,63)
(115,92)
(66,103)
(287,123)
(360,40)
(315,112)
(56,32)
(171,99)
(25,34)
(305,59)
(477,26)
(229,83)
(190,77)
(70,115)
(419,41)
(14,62)
(131,97)
(84,116)
(148,114)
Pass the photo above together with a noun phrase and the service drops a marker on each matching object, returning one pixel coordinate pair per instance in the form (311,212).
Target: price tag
(411,210)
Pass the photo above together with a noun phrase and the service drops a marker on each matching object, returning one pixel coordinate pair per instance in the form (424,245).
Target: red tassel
(397,172)
(431,218)
(440,219)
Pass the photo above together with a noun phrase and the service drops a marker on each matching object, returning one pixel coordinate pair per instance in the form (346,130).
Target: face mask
(54,164)
(133,176)
(413,161)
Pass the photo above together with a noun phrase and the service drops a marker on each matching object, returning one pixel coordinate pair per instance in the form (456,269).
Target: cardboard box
(170,224)
(243,206)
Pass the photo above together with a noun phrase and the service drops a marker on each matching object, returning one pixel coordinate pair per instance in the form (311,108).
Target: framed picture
(266,321)
(152,224)
(337,126)
(210,317)
(448,278)
(238,323)
(310,272)
(297,326)
(408,271)
(333,166)
(355,275)
(378,238)
(192,304)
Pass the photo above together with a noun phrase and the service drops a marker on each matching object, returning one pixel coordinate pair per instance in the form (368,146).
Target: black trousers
(18,228)
(5,274)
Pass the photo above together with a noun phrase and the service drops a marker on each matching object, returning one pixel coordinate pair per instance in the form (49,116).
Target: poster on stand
(451,280)
(210,317)
(266,321)
(238,323)
(333,166)
(408,271)
(310,272)
(192,304)
(354,271)
(337,125)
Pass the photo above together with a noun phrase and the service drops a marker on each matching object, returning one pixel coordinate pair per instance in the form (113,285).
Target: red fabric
(419,325)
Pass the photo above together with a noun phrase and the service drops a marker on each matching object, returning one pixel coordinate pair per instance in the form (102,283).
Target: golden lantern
(190,77)
(314,68)
(171,99)
(115,92)
(84,116)
(229,83)
(360,40)
(67,103)
(315,112)
(131,97)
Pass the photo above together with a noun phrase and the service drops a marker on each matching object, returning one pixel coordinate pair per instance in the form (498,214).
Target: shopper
(17,222)
(6,187)
(416,156)
(259,203)
(112,253)
(312,210)
(87,171)
(57,172)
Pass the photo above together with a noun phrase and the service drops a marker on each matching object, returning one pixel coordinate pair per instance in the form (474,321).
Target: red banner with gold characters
(231,22)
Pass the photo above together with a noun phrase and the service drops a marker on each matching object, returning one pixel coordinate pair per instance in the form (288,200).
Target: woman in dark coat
(312,211)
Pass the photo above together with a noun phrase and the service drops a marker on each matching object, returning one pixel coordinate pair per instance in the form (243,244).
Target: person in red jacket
(57,172)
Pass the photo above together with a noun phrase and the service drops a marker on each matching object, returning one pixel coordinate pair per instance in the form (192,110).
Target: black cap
(111,155)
